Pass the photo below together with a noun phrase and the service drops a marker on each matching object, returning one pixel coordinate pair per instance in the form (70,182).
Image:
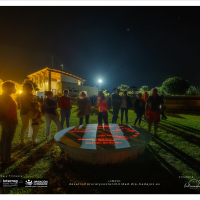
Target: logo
(193,184)
(29,182)
(36,183)
(41,182)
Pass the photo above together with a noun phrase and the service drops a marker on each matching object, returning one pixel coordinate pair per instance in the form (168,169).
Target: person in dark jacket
(125,105)
(139,108)
(51,113)
(26,97)
(9,121)
(116,103)
(84,106)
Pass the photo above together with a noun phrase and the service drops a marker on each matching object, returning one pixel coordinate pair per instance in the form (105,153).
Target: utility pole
(61,66)
(52,61)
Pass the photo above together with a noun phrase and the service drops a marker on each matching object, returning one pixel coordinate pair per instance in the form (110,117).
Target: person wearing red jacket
(103,105)
(8,120)
(65,105)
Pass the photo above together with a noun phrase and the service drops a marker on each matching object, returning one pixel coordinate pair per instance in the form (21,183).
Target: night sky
(128,45)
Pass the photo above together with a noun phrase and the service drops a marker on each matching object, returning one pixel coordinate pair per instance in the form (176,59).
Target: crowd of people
(31,116)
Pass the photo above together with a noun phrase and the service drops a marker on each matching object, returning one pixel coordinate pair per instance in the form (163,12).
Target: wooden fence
(182,104)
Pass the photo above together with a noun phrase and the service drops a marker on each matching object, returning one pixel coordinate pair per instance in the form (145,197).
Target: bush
(192,91)
(175,86)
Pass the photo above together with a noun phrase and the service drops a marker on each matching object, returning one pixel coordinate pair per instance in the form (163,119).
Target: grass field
(170,160)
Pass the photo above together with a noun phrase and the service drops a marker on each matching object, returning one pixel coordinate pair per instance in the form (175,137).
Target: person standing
(116,103)
(92,100)
(26,97)
(8,120)
(126,104)
(139,108)
(36,116)
(145,96)
(95,100)
(51,113)
(164,107)
(153,109)
(84,107)
(65,105)
(103,105)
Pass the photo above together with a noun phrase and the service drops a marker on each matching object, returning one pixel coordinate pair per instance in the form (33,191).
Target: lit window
(79,82)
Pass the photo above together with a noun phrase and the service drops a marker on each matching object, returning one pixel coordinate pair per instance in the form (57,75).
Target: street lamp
(100,84)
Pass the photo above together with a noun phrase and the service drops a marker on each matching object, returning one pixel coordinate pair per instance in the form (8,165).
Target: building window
(79,82)
(54,90)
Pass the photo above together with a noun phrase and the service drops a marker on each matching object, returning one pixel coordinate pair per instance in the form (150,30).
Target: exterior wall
(45,86)
(65,78)
(53,85)
(40,86)
(90,90)
(59,89)
(78,88)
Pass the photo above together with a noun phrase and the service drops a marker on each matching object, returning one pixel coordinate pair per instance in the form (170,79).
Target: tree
(175,86)
(160,90)
(130,93)
(123,88)
(192,91)
(150,92)
(143,89)
(33,83)
(198,90)
(105,92)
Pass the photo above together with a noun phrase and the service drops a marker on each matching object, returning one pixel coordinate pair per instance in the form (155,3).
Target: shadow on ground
(148,168)
(186,136)
(22,151)
(180,126)
(188,160)
(174,115)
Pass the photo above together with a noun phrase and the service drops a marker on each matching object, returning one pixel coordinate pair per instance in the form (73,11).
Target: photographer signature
(193,184)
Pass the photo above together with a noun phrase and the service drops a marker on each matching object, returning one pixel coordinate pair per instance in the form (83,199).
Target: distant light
(100,80)
(20,91)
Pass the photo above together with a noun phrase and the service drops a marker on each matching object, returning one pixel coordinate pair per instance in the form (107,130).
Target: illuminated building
(56,81)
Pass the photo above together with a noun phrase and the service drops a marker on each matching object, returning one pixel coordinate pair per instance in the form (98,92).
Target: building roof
(57,71)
